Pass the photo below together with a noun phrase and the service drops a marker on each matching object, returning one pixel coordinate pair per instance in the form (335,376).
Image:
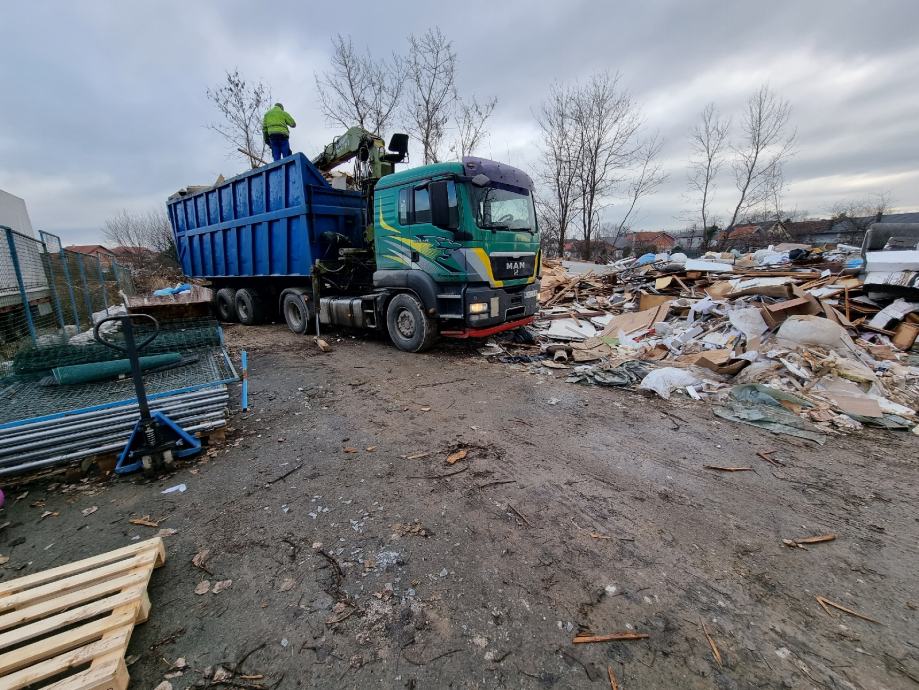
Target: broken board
(73,623)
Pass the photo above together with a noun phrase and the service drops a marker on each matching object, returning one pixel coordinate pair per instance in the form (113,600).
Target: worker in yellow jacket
(275,131)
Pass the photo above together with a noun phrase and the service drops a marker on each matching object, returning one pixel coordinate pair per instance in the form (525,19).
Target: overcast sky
(103,106)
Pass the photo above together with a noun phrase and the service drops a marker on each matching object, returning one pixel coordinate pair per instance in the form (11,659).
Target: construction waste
(791,339)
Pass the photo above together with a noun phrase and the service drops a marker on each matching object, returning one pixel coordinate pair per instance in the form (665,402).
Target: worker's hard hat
(279,105)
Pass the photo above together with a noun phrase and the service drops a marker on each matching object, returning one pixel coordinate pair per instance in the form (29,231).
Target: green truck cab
(463,238)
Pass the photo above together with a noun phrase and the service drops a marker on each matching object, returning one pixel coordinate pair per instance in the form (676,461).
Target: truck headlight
(530,294)
(478,307)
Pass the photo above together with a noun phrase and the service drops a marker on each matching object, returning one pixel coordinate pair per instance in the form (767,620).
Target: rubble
(786,338)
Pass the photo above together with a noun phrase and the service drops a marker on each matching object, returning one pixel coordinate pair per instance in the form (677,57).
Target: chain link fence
(49,294)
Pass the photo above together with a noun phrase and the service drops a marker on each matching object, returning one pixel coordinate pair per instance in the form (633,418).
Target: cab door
(433,250)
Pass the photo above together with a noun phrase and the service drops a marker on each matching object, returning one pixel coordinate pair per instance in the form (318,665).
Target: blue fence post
(52,283)
(14,257)
(73,298)
(102,284)
(86,295)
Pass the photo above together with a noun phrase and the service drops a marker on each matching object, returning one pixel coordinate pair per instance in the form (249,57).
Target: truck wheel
(226,304)
(409,327)
(296,313)
(249,307)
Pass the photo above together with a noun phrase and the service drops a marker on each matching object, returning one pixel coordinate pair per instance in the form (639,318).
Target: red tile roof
(88,249)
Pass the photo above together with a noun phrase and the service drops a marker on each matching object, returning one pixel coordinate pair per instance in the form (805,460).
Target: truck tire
(410,329)
(225,301)
(249,307)
(297,313)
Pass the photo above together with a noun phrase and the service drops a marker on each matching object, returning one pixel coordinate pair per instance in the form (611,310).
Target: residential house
(97,251)
(133,257)
(658,241)
(752,236)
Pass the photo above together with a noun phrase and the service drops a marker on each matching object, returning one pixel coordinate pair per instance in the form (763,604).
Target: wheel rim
(405,324)
(294,318)
(243,310)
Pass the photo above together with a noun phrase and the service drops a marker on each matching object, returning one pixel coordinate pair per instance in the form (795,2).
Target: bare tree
(707,139)
(561,161)
(149,230)
(649,177)
(606,124)
(432,89)
(471,119)
(242,106)
(762,150)
(359,88)
(870,206)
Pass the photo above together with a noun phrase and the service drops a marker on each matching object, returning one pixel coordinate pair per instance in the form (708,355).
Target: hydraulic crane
(372,159)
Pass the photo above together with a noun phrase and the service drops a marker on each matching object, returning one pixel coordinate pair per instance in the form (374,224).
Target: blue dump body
(272,221)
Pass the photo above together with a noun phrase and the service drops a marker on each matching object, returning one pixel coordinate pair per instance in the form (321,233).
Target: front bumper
(504,304)
(488,330)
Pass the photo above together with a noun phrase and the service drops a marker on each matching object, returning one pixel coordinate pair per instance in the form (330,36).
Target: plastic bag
(666,380)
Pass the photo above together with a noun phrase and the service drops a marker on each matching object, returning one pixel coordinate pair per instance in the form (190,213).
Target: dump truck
(446,249)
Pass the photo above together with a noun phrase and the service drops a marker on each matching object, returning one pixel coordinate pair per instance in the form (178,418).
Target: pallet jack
(156,441)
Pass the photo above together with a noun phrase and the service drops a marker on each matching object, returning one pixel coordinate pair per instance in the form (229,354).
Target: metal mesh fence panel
(49,294)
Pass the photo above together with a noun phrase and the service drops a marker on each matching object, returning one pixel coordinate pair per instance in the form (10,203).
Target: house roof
(802,228)
(88,249)
(638,237)
(743,231)
(900,218)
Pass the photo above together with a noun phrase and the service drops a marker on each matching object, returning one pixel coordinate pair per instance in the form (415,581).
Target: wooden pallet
(72,624)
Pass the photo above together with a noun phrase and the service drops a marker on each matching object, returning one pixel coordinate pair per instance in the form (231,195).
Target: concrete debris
(784,338)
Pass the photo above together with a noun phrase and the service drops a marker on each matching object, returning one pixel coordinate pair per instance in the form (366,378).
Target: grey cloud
(104,106)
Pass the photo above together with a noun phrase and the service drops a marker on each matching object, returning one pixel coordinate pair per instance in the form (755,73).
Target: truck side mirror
(440,206)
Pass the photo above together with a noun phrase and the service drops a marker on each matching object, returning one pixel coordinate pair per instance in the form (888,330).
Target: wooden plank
(75,615)
(40,650)
(111,676)
(87,563)
(68,584)
(80,596)
(59,664)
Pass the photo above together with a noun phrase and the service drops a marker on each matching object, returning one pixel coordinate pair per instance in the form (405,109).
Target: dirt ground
(360,558)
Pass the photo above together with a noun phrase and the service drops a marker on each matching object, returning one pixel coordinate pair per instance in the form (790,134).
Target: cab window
(415,205)
(404,207)
(422,206)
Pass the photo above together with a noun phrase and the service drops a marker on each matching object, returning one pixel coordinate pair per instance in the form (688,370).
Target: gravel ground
(360,557)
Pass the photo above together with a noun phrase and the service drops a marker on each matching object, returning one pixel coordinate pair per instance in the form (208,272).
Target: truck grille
(510,267)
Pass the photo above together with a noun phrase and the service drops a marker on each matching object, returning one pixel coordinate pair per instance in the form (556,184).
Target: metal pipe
(61,459)
(15,435)
(87,444)
(107,410)
(53,438)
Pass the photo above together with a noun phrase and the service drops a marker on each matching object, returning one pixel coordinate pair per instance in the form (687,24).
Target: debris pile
(791,339)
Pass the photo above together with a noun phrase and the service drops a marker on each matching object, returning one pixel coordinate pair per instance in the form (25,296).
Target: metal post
(69,281)
(102,284)
(22,287)
(134,356)
(53,284)
(89,299)
(244,362)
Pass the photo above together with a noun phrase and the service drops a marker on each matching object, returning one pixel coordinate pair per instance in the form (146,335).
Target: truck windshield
(503,207)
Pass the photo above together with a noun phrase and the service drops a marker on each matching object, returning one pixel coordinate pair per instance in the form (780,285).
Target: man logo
(515,266)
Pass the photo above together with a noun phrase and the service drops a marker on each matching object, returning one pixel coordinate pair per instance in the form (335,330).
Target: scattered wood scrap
(613,682)
(824,602)
(799,543)
(586,638)
(711,643)
(728,469)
